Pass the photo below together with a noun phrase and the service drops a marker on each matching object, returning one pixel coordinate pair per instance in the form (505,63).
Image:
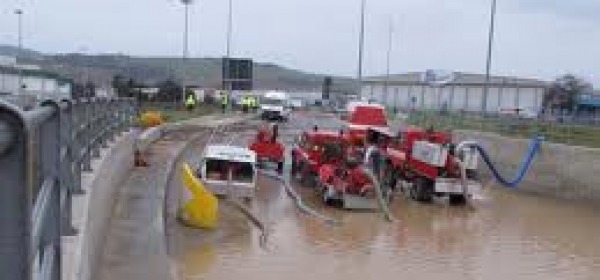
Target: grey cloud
(538,38)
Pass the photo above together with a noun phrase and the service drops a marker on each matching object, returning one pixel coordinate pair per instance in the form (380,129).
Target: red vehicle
(313,149)
(325,161)
(346,185)
(425,161)
(363,117)
(267,148)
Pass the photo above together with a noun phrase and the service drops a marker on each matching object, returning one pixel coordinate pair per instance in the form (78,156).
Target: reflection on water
(508,236)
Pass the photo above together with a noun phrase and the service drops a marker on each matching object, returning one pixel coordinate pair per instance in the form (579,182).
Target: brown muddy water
(507,235)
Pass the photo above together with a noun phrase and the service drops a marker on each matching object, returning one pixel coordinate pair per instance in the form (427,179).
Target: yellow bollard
(202,210)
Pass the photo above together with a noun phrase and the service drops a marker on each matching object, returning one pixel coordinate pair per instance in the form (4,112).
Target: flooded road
(509,235)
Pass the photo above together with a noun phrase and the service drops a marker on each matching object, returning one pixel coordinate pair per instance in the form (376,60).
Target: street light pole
(229,28)
(361,43)
(388,61)
(19,14)
(186,4)
(228,50)
(488,66)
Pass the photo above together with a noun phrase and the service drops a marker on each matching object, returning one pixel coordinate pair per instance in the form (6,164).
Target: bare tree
(564,93)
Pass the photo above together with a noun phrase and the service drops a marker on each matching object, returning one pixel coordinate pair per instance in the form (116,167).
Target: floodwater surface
(507,235)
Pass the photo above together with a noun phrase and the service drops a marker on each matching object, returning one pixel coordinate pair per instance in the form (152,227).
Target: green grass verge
(578,135)
(173,113)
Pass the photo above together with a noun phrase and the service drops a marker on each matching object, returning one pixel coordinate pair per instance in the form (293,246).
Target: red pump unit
(267,148)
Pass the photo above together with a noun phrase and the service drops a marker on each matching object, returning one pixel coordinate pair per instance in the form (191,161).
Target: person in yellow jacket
(190,102)
(224,102)
(253,103)
(245,104)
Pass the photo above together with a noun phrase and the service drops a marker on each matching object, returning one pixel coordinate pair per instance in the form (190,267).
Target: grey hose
(383,207)
(255,220)
(298,200)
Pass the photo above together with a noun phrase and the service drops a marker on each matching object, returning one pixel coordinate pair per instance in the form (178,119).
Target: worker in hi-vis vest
(245,104)
(224,101)
(253,103)
(190,102)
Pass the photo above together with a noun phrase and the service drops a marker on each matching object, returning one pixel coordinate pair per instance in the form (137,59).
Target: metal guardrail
(43,153)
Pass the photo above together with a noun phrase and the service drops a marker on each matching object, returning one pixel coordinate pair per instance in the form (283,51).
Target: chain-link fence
(555,130)
(567,166)
(43,153)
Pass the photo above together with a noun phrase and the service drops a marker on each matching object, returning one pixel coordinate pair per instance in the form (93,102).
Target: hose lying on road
(260,225)
(534,147)
(381,201)
(297,199)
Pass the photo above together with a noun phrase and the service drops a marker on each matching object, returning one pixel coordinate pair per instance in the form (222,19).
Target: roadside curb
(171,171)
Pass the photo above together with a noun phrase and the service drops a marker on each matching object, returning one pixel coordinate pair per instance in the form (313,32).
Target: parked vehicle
(312,149)
(229,171)
(267,148)
(426,164)
(274,105)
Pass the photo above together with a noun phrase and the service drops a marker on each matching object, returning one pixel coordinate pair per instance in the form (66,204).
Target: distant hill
(204,72)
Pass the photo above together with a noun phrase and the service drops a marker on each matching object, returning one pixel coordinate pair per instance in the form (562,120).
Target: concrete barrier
(560,171)
(92,210)
(149,136)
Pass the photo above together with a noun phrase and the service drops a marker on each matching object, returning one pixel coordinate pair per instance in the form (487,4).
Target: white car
(275,105)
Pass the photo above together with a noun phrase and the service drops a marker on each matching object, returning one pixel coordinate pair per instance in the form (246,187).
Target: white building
(34,82)
(454,91)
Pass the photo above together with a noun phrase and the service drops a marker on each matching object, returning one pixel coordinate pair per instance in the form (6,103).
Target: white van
(274,105)
(229,171)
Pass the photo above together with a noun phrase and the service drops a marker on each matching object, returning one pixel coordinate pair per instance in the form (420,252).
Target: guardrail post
(15,198)
(48,139)
(104,124)
(67,164)
(86,132)
(95,128)
(75,140)
(112,120)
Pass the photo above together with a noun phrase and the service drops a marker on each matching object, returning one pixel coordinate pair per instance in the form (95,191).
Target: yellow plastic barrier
(202,210)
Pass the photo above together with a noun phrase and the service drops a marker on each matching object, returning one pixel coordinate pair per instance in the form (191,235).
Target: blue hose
(534,147)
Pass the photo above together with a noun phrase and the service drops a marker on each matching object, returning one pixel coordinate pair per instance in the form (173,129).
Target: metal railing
(43,153)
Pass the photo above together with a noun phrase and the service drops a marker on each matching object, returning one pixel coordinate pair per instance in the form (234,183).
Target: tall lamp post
(186,4)
(228,49)
(229,28)
(488,65)
(19,14)
(388,61)
(361,44)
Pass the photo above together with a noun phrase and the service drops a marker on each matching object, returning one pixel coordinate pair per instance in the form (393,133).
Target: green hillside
(204,72)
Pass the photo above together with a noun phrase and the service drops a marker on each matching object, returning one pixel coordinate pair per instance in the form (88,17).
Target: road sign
(237,74)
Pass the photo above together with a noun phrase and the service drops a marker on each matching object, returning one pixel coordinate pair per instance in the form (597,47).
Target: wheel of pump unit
(387,176)
(423,189)
(312,180)
(473,175)
(280,167)
(457,199)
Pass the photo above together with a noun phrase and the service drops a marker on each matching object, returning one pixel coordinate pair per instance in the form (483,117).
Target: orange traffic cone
(139,160)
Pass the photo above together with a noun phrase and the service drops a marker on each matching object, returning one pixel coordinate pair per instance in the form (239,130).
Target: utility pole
(229,28)
(388,61)
(488,66)
(228,51)
(184,67)
(19,14)
(361,44)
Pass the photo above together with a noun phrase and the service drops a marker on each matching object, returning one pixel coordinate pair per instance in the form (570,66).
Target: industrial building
(36,84)
(454,91)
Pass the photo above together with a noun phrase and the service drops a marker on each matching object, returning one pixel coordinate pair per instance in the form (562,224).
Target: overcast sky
(535,38)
